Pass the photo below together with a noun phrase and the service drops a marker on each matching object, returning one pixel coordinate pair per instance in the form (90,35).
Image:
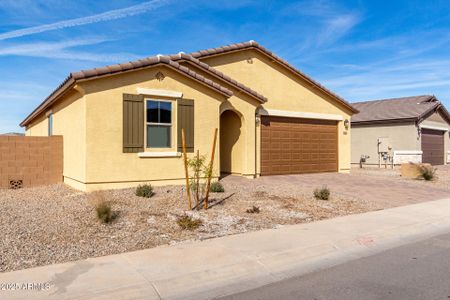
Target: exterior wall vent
(15,184)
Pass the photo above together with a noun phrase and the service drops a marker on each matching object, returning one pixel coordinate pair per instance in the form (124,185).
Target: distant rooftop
(405,108)
(13,133)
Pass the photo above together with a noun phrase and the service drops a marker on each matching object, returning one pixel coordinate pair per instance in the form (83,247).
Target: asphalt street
(416,271)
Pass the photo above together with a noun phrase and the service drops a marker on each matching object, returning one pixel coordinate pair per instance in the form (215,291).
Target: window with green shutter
(157,118)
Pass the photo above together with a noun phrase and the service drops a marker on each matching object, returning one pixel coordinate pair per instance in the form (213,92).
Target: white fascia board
(298,114)
(163,93)
(424,126)
(408,152)
(159,154)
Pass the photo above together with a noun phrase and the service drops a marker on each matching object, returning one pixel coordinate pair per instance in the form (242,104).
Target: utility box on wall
(384,145)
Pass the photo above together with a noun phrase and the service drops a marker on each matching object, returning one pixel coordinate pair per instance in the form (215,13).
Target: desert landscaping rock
(55,224)
(442,179)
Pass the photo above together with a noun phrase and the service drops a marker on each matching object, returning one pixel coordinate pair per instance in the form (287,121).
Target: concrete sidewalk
(217,267)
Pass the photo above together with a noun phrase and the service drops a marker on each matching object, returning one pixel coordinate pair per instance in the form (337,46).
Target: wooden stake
(208,185)
(197,176)
(186,171)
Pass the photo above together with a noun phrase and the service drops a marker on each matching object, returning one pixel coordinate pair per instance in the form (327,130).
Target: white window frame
(159,124)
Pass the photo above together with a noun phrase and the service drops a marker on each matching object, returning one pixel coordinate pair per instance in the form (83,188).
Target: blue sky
(360,49)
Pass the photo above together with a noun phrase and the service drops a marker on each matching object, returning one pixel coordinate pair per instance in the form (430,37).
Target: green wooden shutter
(186,121)
(133,123)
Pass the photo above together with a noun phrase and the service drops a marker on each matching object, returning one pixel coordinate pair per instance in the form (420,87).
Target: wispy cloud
(394,79)
(320,24)
(106,16)
(60,50)
(336,27)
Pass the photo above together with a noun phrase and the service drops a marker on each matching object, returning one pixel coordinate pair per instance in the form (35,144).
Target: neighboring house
(410,129)
(122,123)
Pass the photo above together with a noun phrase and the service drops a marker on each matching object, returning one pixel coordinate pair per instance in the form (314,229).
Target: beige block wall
(284,90)
(68,121)
(107,166)
(32,161)
(365,140)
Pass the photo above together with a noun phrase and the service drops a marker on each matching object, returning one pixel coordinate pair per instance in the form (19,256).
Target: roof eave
(218,75)
(73,78)
(68,83)
(384,121)
(254,45)
(438,107)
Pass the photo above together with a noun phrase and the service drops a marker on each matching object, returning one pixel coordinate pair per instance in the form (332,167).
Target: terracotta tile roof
(396,109)
(119,68)
(146,62)
(217,73)
(252,44)
(171,61)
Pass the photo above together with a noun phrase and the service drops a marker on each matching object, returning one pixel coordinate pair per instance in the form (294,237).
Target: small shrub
(323,193)
(102,207)
(145,190)
(217,187)
(104,212)
(253,210)
(427,172)
(187,222)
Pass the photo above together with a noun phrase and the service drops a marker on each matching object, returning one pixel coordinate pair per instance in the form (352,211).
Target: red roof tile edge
(119,68)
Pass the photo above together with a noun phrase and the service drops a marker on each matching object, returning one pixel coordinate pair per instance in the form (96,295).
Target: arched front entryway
(231,144)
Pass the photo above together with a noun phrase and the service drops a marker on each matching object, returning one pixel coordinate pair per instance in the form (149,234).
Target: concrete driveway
(383,192)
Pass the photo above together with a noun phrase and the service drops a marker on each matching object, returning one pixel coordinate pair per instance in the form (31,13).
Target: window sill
(159,154)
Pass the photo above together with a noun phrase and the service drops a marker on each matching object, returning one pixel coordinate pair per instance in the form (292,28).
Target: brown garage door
(294,146)
(433,146)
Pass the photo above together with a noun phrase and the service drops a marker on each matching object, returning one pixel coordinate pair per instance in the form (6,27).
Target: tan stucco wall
(243,157)
(284,90)
(365,140)
(107,166)
(39,127)
(68,121)
(435,118)
(92,125)
(402,137)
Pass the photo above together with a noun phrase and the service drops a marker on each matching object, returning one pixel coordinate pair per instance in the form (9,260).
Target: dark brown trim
(186,121)
(388,121)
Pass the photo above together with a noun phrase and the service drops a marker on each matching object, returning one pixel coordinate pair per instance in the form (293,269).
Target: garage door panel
(293,146)
(432,146)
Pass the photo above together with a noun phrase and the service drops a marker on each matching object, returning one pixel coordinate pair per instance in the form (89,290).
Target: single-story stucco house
(121,124)
(400,130)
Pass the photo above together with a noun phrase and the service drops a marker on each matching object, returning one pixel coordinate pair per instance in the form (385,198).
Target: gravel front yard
(55,224)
